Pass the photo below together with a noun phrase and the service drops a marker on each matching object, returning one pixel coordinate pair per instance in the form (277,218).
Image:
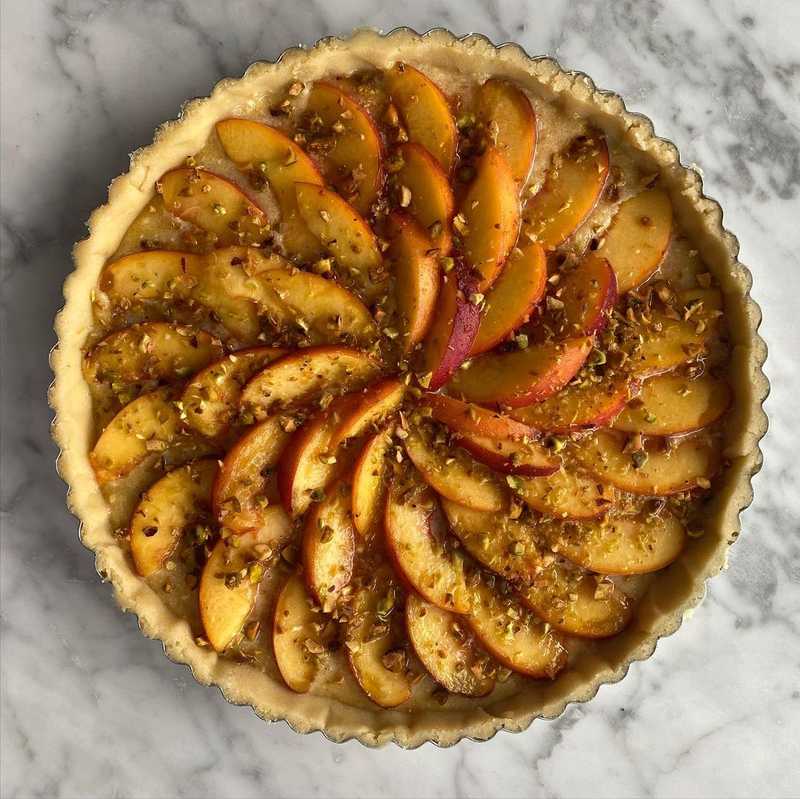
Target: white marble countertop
(90,708)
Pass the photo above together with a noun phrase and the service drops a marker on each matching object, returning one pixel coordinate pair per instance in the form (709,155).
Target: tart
(408,388)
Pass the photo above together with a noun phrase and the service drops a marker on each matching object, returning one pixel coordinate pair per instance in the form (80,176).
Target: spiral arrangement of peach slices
(398,417)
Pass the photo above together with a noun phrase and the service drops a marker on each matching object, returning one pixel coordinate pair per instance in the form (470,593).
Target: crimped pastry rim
(336,721)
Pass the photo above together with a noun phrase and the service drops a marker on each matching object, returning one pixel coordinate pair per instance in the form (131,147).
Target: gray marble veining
(91,708)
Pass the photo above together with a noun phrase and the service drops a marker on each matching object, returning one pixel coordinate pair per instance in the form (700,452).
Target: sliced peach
(431,198)
(243,493)
(622,545)
(467,419)
(571,189)
(369,410)
(513,297)
(269,154)
(213,203)
(355,155)
(295,634)
(490,210)
(369,482)
(529,458)
(303,377)
(684,465)
(667,343)
(513,635)
(329,546)
(585,605)
(578,407)
(210,400)
(524,376)
(153,229)
(565,494)
(146,426)
(323,310)
(344,233)
(165,511)
(370,639)
(508,547)
(419,555)
(453,330)
(150,351)
(510,123)
(638,237)
(229,586)
(672,404)
(453,474)
(425,112)
(416,271)
(588,294)
(447,649)
(309,463)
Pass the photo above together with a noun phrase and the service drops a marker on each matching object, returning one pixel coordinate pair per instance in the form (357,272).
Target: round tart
(408,388)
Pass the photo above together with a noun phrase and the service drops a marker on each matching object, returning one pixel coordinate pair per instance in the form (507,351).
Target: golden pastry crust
(677,589)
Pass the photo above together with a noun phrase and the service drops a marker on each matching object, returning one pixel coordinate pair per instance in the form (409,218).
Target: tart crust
(678,588)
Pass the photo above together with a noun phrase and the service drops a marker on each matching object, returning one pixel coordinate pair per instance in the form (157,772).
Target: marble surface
(92,709)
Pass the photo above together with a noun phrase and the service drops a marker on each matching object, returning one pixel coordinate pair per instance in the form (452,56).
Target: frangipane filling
(402,396)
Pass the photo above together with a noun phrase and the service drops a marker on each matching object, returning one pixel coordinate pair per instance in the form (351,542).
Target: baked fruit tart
(408,388)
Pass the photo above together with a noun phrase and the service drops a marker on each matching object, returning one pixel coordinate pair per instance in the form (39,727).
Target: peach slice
(519,378)
(303,377)
(453,330)
(243,494)
(355,155)
(453,474)
(565,494)
(149,277)
(213,203)
(672,404)
(419,555)
(345,234)
(510,123)
(568,598)
(166,510)
(660,472)
(622,545)
(229,586)
(576,603)
(578,407)
(269,154)
(529,458)
(369,483)
(309,463)
(425,112)
(368,410)
(329,546)
(513,635)
(447,649)
(431,198)
(588,294)
(638,237)
(369,639)
(146,426)
(322,309)
(513,297)
(150,351)
(417,279)
(210,400)
(467,419)
(571,189)
(295,633)
(508,547)
(667,343)
(490,210)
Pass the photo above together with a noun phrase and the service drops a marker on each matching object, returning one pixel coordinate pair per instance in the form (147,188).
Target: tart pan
(677,590)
